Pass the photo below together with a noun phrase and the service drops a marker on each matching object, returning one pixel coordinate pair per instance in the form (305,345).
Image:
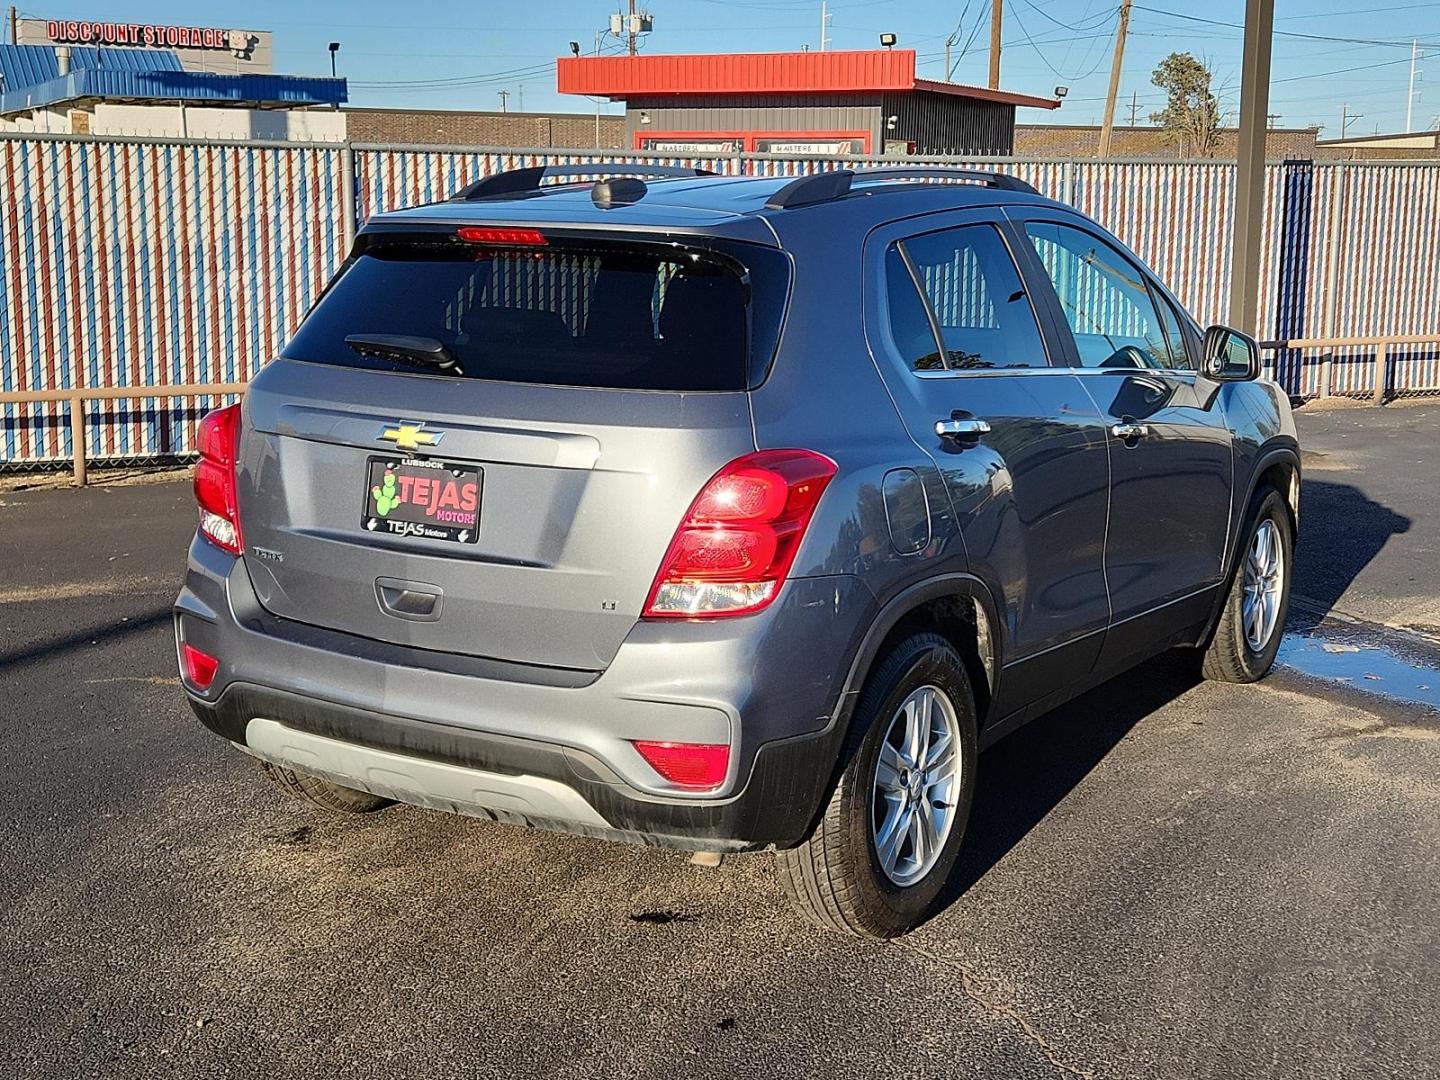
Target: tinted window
(1110,311)
(1174,336)
(977,297)
(909,324)
(592,314)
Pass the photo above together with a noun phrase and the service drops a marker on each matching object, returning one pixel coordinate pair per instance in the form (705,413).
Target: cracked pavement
(1165,878)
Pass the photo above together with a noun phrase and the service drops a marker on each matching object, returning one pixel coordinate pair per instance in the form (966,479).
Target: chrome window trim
(1183,374)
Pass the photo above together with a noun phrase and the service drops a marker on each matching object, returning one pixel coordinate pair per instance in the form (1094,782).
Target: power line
(1285,33)
(454,80)
(1100,19)
(1350,11)
(1033,43)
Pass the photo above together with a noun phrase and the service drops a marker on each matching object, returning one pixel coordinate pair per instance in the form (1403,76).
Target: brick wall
(1386,153)
(1082,140)
(402,127)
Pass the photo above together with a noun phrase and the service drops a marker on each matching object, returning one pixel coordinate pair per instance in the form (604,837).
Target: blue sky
(434,55)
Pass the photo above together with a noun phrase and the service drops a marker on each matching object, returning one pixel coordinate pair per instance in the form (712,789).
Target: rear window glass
(573,313)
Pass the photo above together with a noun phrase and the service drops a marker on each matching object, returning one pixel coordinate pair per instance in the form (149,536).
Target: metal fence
(137,265)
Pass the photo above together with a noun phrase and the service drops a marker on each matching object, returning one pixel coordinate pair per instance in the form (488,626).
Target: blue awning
(30,79)
(30,65)
(200,86)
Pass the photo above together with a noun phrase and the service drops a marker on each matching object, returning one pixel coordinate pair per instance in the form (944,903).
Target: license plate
(429,499)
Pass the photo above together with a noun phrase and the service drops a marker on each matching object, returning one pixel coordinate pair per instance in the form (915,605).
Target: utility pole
(825,18)
(14,26)
(1250,166)
(1109,126)
(953,39)
(1134,105)
(1271,118)
(504,94)
(995,9)
(598,35)
(1347,118)
(631,28)
(1410,97)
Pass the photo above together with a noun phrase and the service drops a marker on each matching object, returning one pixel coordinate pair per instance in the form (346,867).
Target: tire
(322,793)
(1234,654)
(836,878)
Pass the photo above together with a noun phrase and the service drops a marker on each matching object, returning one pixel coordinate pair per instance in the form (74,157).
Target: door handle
(1130,430)
(961,427)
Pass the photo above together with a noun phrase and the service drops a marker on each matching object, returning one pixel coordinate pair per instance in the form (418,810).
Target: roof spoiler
(834,183)
(521,181)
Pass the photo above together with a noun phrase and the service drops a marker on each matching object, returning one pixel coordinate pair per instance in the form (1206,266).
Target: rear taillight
(698,766)
(200,667)
(215,487)
(735,544)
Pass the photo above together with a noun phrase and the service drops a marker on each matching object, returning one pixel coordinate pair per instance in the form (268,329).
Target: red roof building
(864,102)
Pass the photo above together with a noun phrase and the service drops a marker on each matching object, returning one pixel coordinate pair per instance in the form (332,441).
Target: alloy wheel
(917,777)
(1264,585)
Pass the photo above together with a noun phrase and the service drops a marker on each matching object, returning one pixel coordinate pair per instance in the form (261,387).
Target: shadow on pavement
(1024,776)
(112,632)
(1341,530)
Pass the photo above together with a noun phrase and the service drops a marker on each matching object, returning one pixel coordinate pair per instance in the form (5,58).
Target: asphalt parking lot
(1164,879)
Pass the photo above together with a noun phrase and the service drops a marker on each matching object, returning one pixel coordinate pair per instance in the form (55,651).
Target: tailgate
(578,492)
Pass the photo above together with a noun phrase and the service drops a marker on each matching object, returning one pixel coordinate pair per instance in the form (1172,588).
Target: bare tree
(1191,117)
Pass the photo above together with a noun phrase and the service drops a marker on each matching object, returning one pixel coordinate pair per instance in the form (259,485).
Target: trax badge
(410,435)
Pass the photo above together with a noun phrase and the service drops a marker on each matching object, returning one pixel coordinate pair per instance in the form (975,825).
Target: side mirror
(1230,356)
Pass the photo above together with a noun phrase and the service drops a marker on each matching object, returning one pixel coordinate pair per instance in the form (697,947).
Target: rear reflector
(737,541)
(699,766)
(488,234)
(200,667)
(215,486)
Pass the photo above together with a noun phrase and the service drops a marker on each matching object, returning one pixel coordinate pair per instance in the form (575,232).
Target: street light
(334,48)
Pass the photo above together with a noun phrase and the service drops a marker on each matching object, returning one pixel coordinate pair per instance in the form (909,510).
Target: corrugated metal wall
(785,113)
(950,124)
(143,264)
(387,179)
(135,263)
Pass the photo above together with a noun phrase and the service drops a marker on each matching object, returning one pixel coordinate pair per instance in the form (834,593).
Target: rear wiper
(423,351)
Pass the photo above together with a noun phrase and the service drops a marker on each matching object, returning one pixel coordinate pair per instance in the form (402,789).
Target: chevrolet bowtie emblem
(411,436)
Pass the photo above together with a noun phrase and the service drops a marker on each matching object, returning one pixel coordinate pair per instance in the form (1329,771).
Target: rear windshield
(634,316)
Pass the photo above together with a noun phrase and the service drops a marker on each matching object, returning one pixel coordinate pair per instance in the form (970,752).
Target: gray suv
(726,513)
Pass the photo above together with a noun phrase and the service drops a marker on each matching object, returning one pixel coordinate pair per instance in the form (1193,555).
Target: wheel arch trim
(903,603)
(1279,450)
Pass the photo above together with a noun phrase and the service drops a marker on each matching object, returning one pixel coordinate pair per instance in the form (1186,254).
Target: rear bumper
(539,746)
(521,781)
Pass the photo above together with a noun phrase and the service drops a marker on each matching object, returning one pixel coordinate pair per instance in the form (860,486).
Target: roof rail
(825,186)
(516,181)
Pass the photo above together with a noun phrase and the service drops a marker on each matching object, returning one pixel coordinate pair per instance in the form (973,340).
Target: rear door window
(975,297)
(590,313)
